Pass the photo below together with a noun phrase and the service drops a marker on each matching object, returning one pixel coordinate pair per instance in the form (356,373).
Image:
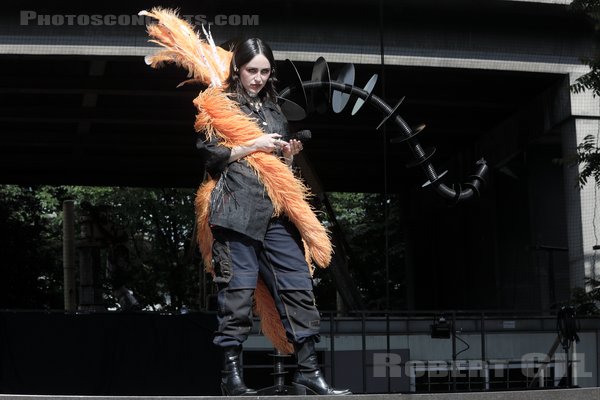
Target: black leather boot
(308,378)
(231,377)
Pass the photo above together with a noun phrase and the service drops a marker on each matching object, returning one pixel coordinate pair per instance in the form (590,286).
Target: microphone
(303,135)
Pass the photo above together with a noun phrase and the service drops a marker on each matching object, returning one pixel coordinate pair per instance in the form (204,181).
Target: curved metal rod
(458,192)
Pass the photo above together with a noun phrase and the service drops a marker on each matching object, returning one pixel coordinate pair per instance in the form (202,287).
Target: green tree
(586,301)
(30,269)
(154,225)
(374,259)
(588,152)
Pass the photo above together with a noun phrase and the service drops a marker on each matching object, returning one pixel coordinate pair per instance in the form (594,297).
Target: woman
(248,241)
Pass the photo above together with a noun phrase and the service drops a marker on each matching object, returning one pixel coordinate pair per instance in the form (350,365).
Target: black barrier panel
(108,354)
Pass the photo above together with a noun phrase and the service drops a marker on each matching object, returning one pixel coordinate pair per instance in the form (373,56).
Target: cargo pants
(279,259)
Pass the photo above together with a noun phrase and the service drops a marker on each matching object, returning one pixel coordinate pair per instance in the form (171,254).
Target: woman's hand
(290,149)
(268,143)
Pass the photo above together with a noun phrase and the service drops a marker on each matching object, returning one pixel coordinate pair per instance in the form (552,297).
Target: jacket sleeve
(215,156)
(285,127)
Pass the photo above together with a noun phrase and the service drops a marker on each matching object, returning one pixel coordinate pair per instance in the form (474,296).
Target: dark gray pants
(279,260)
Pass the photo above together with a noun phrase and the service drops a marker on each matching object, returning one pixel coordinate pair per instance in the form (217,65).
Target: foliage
(588,157)
(588,152)
(591,80)
(153,225)
(149,234)
(362,219)
(31,271)
(156,225)
(586,301)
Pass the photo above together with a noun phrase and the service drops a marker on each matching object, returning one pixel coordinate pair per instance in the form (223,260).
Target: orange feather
(183,46)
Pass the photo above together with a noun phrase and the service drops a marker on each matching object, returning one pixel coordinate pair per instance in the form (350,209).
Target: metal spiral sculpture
(337,93)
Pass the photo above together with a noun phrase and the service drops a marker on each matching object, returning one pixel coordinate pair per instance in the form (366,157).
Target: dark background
(108,354)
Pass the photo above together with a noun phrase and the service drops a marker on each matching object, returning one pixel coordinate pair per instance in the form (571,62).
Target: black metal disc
(297,83)
(391,113)
(320,98)
(368,88)
(292,111)
(414,132)
(340,99)
(428,153)
(440,176)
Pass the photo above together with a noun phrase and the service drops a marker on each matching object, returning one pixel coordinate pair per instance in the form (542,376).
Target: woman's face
(254,74)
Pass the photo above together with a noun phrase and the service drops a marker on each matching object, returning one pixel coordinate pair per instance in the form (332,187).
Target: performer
(249,241)
(256,228)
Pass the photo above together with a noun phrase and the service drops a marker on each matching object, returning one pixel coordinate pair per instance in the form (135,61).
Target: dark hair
(243,53)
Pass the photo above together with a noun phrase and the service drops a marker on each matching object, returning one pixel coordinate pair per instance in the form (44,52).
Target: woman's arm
(215,157)
(267,143)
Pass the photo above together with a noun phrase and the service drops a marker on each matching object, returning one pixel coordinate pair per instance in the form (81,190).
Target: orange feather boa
(219,116)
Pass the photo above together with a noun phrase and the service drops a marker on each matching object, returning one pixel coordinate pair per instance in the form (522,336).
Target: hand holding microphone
(304,135)
(271,141)
(294,146)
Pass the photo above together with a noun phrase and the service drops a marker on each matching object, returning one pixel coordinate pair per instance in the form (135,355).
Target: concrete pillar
(69,256)
(88,246)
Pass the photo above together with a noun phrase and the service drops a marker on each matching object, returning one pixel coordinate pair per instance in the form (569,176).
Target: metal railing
(451,374)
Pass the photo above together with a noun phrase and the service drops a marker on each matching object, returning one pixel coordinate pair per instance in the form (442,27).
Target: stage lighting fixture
(440,329)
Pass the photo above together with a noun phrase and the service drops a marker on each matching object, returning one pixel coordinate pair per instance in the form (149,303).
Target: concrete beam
(332,57)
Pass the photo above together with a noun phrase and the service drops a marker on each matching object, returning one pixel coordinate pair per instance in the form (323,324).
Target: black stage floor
(556,394)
